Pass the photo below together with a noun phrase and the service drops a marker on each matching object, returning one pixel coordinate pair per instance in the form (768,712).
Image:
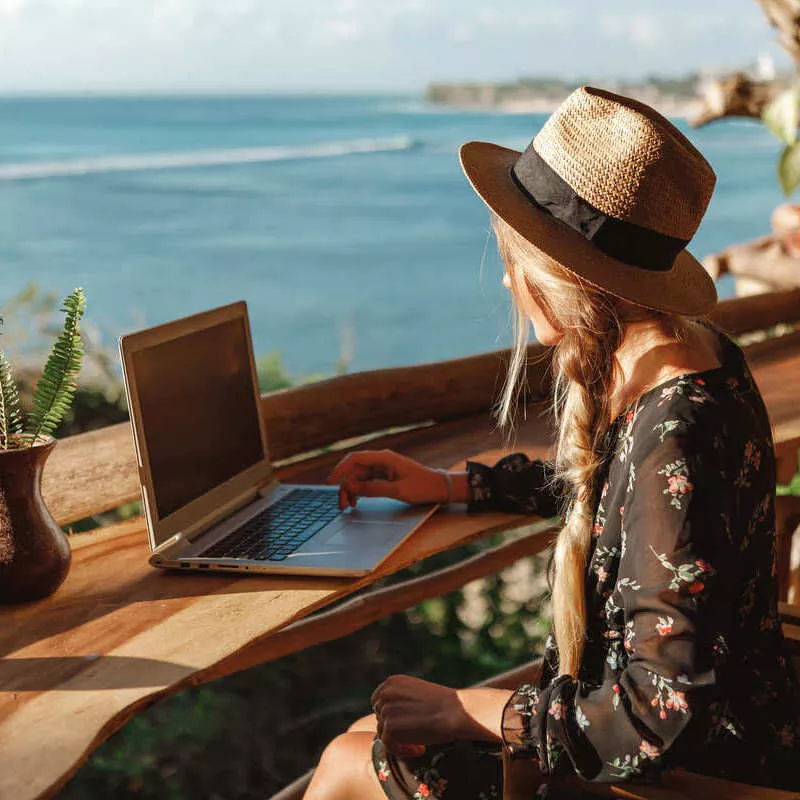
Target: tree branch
(785,16)
(739,96)
(734,96)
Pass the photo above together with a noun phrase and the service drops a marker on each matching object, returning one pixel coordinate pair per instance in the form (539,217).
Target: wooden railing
(96,471)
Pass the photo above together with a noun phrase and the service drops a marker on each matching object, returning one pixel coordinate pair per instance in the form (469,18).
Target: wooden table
(119,635)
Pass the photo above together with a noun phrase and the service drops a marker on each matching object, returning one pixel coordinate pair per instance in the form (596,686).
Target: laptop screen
(199,410)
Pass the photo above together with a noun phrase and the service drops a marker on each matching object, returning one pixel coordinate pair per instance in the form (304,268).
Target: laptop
(210,495)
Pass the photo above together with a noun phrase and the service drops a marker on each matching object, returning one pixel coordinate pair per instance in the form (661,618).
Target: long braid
(585,381)
(584,367)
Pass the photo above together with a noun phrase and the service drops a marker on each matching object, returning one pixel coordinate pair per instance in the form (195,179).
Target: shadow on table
(95,673)
(157,595)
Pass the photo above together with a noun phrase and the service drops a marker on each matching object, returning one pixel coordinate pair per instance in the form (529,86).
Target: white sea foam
(743,122)
(197,158)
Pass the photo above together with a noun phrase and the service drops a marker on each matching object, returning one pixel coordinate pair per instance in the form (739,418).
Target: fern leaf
(56,387)
(10,413)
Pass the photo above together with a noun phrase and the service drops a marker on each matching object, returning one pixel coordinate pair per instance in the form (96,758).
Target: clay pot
(35,554)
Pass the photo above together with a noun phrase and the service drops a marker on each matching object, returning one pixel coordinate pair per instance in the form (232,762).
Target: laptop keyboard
(281,528)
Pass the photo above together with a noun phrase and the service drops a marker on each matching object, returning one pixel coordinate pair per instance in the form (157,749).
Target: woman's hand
(384,473)
(412,712)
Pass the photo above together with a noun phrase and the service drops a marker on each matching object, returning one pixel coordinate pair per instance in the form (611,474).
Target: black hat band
(625,241)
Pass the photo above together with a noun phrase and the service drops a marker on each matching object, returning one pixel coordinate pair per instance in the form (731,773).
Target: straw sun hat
(611,190)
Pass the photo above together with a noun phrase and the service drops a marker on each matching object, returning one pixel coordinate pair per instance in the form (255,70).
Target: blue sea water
(336,218)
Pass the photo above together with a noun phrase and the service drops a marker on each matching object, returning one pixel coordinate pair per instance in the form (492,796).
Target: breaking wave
(197,158)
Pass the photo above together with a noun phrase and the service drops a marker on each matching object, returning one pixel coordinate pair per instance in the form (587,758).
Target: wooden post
(787,520)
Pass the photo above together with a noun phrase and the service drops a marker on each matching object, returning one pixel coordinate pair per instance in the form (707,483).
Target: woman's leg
(345,767)
(368,724)
(345,770)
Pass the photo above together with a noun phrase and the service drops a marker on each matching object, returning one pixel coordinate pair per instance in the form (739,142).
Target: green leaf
(789,168)
(782,115)
(10,412)
(56,387)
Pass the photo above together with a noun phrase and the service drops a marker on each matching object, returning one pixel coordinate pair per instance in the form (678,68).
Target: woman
(665,648)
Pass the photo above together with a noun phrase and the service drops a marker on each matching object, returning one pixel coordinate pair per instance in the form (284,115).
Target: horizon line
(100,92)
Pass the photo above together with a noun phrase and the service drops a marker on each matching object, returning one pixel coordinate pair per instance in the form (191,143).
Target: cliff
(671,96)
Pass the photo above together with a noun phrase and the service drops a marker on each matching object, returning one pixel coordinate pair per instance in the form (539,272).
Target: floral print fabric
(684,660)
(461,770)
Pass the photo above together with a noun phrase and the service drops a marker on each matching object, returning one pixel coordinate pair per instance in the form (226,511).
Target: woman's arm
(462,492)
(514,484)
(660,662)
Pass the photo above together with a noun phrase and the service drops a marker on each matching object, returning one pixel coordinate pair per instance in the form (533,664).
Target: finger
(377,695)
(345,465)
(344,498)
(367,474)
(346,493)
(377,702)
(362,472)
(363,458)
(350,494)
(345,468)
(400,732)
(387,688)
(367,482)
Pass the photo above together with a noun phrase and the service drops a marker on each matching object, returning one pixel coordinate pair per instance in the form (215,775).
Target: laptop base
(353,544)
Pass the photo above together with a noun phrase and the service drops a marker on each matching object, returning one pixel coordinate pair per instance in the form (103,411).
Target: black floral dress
(684,662)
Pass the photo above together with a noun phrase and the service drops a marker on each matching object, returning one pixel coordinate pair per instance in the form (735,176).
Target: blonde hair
(584,373)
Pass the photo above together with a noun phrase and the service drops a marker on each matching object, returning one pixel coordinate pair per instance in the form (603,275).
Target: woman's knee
(368,724)
(344,766)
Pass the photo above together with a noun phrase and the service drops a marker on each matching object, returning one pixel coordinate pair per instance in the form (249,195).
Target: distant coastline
(673,97)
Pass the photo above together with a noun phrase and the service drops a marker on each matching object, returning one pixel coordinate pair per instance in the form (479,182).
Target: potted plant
(34,552)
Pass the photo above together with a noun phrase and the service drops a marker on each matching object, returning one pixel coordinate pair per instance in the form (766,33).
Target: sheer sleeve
(515,484)
(659,665)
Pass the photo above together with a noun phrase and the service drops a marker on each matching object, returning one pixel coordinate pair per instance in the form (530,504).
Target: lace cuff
(535,722)
(517,724)
(515,484)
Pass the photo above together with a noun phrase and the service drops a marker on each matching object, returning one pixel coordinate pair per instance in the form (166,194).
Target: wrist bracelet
(449,480)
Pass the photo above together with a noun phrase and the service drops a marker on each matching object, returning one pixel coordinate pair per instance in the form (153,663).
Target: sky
(363,45)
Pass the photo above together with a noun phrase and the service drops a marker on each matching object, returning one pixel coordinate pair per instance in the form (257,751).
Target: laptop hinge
(173,540)
(267,487)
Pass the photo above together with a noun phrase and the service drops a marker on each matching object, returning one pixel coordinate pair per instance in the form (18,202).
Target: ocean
(345,222)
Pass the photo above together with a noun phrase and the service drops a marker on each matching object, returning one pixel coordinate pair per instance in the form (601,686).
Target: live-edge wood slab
(120,634)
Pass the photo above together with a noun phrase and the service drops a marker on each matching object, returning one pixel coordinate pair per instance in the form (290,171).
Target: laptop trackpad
(362,533)
(377,521)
